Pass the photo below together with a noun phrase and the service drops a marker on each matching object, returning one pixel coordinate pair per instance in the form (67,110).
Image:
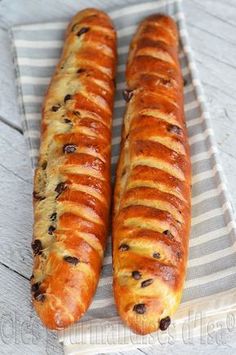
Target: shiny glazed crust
(72,180)
(151,221)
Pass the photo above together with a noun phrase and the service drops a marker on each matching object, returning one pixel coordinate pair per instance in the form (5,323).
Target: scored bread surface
(72,179)
(151,220)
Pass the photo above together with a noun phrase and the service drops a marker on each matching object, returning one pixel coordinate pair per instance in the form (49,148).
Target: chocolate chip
(123,247)
(81,70)
(53,216)
(37,196)
(165,82)
(66,120)
(185,82)
(55,108)
(127,95)
(146,283)
(44,165)
(123,172)
(39,296)
(174,129)
(60,188)
(76,113)
(51,229)
(140,308)
(37,247)
(67,97)
(179,255)
(69,148)
(168,234)
(164,323)
(156,255)
(71,260)
(136,275)
(35,287)
(82,31)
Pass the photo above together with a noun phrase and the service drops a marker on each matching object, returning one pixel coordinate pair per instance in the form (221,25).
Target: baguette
(152,211)
(72,179)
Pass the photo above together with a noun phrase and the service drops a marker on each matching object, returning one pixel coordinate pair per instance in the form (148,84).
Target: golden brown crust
(72,180)
(151,220)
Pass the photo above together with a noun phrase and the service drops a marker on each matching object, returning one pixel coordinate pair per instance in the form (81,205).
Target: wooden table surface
(212,29)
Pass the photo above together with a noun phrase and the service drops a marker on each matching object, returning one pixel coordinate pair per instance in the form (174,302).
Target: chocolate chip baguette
(72,180)
(152,193)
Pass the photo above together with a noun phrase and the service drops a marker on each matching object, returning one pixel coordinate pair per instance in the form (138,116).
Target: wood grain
(15,202)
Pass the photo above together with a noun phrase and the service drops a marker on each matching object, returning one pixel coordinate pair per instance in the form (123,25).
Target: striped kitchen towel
(210,289)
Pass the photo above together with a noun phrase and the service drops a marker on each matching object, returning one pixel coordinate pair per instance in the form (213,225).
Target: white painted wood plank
(216,67)
(220,17)
(14,12)
(8,107)
(213,50)
(15,201)
(21,332)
